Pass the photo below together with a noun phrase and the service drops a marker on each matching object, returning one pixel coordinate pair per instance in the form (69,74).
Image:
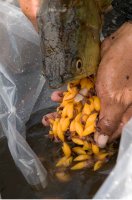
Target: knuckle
(106,126)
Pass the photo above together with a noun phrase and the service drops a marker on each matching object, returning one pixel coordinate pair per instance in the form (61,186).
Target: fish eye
(79,65)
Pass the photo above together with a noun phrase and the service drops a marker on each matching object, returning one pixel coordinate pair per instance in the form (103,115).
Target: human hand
(56,96)
(114,81)
(30,9)
(114,84)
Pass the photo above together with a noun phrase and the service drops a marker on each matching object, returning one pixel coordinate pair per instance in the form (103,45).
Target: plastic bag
(20,85)
(119,183)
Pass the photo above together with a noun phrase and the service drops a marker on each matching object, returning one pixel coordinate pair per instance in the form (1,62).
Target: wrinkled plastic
(20,85)
(119,183)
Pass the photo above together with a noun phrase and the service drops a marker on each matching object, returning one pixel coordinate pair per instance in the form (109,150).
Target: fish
(70,38)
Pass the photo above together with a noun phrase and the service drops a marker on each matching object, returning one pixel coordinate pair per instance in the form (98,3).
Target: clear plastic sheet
(20,85)
(119,183)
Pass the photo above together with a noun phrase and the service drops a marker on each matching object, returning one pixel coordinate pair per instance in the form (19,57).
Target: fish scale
(70,33)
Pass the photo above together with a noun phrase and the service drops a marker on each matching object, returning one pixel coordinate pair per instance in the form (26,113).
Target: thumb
(126,117)
(110,117)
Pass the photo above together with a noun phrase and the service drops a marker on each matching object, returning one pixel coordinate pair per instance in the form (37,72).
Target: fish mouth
(60,81)
(64,79)
(55,84)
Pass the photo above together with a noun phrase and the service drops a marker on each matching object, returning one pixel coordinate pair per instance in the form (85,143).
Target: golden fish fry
(91,105)
(64,112)
(89,84)
(62,176)
(62,120)
(97,105)
(64,162)
(89,130)
(102,156)
(70,110)
(79,150)
(72,89)
(72,126)
(87,146)
(95,149)
(65,124)
(61,161)
(79,128)
(69,87)
(72,93)
(77,141)
(84,118)
(69,161)
(64,103)
(79,165)
(78,117)
(85,83)
(91,119)
(55,126)
(60,133)
(65,95)
(86,110)
(51,133)
(98,165)
(51,121)
(66,149)
(82,157)
(79,107)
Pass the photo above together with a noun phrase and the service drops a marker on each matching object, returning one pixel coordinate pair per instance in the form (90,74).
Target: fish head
(70,39)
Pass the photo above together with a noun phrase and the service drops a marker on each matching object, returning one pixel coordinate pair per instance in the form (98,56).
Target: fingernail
(102,140)
(46,118)
(60,95)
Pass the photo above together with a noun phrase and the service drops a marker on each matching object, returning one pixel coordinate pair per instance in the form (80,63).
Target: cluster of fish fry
(75,126)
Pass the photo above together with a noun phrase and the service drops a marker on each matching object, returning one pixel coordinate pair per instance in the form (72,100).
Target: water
(82,184)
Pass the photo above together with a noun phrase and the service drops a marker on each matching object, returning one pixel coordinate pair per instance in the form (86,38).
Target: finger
(116,134)
(30,9)
(101,140)
(110,117)
(96,135)
(126,117)
(45,119)
(105,46)
(57,96)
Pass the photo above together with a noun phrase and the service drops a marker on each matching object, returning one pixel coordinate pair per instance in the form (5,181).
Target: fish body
(70,38)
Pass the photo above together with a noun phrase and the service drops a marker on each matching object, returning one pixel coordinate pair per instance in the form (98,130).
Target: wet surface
(12,183)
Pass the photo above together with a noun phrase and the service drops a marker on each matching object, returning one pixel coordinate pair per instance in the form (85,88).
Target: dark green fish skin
(70,38)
